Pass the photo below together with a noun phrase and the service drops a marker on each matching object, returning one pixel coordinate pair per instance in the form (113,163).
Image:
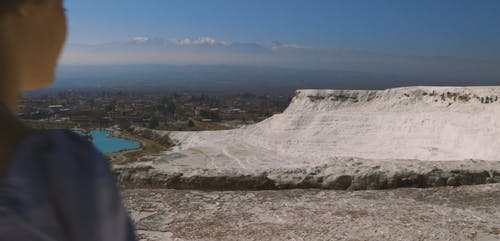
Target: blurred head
(32,33)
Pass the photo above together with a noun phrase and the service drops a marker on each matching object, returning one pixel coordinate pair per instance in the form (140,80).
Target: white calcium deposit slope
(423,123)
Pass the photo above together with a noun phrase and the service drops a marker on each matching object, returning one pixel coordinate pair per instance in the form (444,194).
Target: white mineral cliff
(394,129)
(424,123)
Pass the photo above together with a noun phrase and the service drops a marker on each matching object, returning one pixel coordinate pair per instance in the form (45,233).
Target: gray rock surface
(445,213)
(338,174)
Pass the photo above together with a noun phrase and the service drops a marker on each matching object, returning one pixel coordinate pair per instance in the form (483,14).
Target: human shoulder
(67,146)
(65,137)
(62,141)
(63,154)
(80,184)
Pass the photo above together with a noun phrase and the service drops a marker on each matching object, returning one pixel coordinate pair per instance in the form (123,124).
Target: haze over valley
(243,78)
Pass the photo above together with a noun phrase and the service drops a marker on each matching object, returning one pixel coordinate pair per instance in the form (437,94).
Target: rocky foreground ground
(444,213)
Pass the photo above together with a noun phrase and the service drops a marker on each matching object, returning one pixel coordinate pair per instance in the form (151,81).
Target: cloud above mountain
(199,41)
(208,50)
(141,39)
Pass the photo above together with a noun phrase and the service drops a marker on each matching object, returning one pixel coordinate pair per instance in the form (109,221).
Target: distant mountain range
(211,51)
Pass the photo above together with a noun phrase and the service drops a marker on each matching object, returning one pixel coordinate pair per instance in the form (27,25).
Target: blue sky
(428,27)
(458,32)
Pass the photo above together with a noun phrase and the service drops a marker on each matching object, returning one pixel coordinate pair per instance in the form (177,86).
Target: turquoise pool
(109,144)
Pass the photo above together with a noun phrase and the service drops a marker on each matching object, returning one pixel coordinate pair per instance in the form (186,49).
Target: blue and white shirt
(59,187)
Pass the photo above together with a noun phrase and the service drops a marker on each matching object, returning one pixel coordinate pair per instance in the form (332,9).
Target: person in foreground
(54,185)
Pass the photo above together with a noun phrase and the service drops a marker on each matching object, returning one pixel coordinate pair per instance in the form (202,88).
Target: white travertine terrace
(422,123)
(343,139)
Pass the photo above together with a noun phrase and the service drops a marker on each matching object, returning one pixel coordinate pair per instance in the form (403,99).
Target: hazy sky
(461,31)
